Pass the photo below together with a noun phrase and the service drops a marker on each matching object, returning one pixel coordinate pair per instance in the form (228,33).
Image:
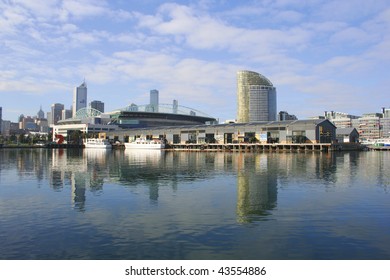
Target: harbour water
(86,204)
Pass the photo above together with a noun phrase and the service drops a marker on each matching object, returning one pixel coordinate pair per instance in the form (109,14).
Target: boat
(96,143)
(382,142)
(142,143)
(377,142)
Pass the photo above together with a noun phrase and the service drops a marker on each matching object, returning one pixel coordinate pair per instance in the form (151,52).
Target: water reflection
(256,187)
(258,176)
(193,205)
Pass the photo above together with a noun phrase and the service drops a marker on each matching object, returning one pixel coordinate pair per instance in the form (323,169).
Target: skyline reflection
(259,175)
(85,204)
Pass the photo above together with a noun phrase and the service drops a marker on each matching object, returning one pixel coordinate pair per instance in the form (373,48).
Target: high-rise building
(256,98)
(56,113)
(175,106)
(340,120)
(368,126)
(97,105)
(285,116)
(66,114)
(79,98)
(154,100)
(28,123)
(41,114)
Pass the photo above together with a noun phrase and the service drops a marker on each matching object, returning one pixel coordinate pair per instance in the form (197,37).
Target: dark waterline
(83,204)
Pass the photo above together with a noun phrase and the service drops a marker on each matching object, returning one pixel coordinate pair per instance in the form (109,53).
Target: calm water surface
(75,204)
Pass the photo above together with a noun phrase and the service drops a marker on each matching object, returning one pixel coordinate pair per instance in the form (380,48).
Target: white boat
(97,143)
(382,142)
(142,143)
(377,142)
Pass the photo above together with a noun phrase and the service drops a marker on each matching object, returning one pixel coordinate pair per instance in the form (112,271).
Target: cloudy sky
(319,54)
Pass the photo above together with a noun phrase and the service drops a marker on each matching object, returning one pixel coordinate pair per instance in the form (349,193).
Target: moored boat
(97,143)
(377,142)
(382,142)
(142,143)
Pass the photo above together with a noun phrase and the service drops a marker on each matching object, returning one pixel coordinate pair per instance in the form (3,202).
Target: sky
(321,55)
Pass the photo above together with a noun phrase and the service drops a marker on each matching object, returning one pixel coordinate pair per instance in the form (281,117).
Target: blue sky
(320,55)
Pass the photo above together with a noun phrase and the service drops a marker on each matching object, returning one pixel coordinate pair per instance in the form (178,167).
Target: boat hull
(146,146)
(100,147)
(97,144)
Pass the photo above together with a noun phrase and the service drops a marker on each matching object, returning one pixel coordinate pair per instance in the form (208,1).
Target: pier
(261,147)
(252,147)
(379,148)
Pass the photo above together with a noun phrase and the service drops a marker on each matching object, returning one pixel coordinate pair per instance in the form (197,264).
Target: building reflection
(256,187)
(258,176)
(81,169)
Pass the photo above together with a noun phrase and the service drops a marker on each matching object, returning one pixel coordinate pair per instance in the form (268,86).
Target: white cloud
(192,51)
(84,8)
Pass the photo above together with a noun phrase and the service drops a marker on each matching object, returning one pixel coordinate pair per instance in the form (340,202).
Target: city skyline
(320,55)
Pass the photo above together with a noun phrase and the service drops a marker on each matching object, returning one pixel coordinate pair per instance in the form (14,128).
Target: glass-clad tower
(154,100)
(79,98)
(256,98)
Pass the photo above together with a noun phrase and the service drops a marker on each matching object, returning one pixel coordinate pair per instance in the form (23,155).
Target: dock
(251,147)
(259,147)
(379,148)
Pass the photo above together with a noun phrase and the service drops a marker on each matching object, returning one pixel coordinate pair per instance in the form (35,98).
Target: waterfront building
(347,135)
(340,120)
(79,98)
(85,128)
(56,113)
(137,116)
(385,123)
(97,105)
(256,98)
(385,127)
(285,132)
(368,126)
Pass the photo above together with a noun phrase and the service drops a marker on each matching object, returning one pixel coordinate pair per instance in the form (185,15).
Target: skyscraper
(97,105)
(56,113)
(175,106)
(40,114)
(79,98)
(256,98)
(154,100)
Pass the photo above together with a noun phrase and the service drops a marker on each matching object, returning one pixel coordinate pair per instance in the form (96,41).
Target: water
(75,204)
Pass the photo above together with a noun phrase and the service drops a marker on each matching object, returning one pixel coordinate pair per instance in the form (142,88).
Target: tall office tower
(79,98)
(66,114)
(56,113)
(41,114)
(175,106)
(154,100)
(256,98)
(97,105)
